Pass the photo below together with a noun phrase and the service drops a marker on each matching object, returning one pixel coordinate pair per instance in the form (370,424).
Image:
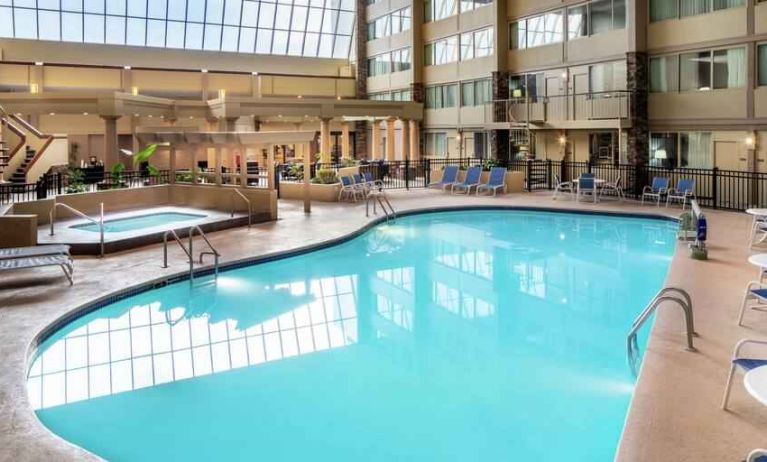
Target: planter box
(317,192)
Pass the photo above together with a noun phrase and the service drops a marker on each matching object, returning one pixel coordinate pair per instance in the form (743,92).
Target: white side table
(759,260)
(758,215)
(755,382)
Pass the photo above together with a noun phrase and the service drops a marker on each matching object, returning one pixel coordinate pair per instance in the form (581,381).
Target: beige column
(270,168)
(325,151)
(405,140)
(111,152)
(217,166)
(390,139)
(172,162)
(415,146)
(376,140)
(243,166)
(198,152)
(345,145)
(307,170)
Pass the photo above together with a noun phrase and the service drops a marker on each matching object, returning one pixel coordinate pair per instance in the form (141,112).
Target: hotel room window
(536,31)
(664,74)
(675,9)
(762,64)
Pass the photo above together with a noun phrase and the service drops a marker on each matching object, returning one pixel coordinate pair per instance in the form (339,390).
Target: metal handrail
(247,201)
(190,250)
(380,198)
(668,294)
(99,222)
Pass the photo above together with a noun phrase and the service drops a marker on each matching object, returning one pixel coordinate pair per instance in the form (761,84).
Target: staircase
(4,156)
(20,175)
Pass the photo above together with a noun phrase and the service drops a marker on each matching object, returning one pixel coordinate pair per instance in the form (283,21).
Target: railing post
(588,166)
(41,188)
(407,174)
(277,171)
(528,175)
(715,186)
(563,176)
(427,171)
(548,174)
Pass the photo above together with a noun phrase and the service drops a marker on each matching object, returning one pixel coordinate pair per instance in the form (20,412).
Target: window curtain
(663,9)
(693,7)
(736,68)
(762,64)
(696,150)
(724,4)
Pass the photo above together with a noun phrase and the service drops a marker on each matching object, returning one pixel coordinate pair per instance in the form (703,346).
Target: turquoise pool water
(476,335)
(139,222)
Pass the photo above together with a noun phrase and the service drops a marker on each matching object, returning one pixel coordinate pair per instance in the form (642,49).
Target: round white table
(755,382)
(759,260)
(758,215)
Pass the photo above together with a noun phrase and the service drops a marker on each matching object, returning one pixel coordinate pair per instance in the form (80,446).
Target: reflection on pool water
(133,223)
(482,335)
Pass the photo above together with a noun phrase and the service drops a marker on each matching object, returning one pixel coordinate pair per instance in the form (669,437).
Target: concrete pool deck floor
(675,414)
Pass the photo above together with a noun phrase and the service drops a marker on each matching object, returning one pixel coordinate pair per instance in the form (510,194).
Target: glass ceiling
(321,28)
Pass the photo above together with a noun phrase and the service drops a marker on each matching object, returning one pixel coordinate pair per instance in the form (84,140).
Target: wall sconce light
(134,91)
(564,76)
(562,140)
(458,137)
(204,71)
(127,68)
(750,142)
(34,88)
(221,93)
(39,63)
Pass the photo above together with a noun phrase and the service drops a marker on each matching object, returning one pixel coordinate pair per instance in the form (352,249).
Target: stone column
(325,145)
(638,136)
(111,148)
(390,140)
(361,140)
(345,146)
(415,144)
(377,155)
(405,140)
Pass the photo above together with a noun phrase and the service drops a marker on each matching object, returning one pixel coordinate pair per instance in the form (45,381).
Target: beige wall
(715,104)
(18,231)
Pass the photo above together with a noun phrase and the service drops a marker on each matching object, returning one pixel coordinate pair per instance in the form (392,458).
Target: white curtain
(663,9)
(693,7)
(736,68)
(696,150)
(724,4)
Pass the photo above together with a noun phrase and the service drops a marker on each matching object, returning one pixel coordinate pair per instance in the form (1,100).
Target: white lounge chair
(62,261)
(34,251)
(755,292)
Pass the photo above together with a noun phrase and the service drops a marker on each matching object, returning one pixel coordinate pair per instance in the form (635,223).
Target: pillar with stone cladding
(390,139)
(499,139)
(638,136)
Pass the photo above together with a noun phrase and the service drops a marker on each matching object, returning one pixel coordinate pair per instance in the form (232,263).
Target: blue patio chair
(684,192)
(449,178)
(471,180)
(755,292)
(350,190)
(586,185)
(743,364)
(372,183)
(659,188)
(496,181)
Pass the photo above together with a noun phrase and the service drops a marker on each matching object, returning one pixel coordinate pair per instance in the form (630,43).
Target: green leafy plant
(117,175)
(349,163)
(76,179)
(296,172)
(144,154)
(325,176)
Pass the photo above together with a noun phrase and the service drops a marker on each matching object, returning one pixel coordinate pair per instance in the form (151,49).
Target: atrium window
(390,24)
(477,44)
(595,18)
(675,9)
(321,28)
(442,51)
(538,30)
(699,71)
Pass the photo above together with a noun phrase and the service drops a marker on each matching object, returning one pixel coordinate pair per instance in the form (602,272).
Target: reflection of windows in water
(532,279)
(140,349)
(399,277)
(476,262)
(394,312)
(460,303)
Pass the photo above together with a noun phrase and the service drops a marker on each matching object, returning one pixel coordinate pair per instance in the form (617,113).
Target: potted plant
(76,181)
(143,156)
(325,176)
(117,175)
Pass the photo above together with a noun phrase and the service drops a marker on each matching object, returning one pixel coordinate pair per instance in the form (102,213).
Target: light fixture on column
(750,142)
(39,63)
(562,140)
(127,68)
(299,96)
(221,93)
(34,88)
(134,91)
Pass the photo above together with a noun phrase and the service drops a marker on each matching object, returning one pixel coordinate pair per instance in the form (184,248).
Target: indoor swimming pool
(465,335)
(139,222)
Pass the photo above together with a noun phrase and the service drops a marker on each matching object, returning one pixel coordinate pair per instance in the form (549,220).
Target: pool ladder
(99,222)
(189,251)
(379,198)
(669,294)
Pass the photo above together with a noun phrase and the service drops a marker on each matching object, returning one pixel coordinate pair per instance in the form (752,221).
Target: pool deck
(675,413)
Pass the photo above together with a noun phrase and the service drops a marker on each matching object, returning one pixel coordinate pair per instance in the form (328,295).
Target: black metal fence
(714,188)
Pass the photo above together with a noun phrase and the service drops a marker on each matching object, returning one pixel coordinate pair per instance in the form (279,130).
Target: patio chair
(496,181)
(361,183)
(743,364)
(471,180)
(684,192)
(757,455)
(373,183)
(615,187)
(562,186)
(755,292)
(62,261)
(586,186)
(658,188)
(35,251)
(349,190)
(449,178)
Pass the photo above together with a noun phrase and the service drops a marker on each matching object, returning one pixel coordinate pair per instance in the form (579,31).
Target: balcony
(585,110)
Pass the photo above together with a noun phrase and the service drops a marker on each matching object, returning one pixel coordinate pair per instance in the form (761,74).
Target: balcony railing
(613,105)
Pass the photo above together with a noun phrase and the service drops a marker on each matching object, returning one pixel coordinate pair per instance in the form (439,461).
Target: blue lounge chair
(449,178)
(496,181)
(659,188)
(744,364)
(587,185)
(471,180)
(372,183)
(684,192)
(350,190)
